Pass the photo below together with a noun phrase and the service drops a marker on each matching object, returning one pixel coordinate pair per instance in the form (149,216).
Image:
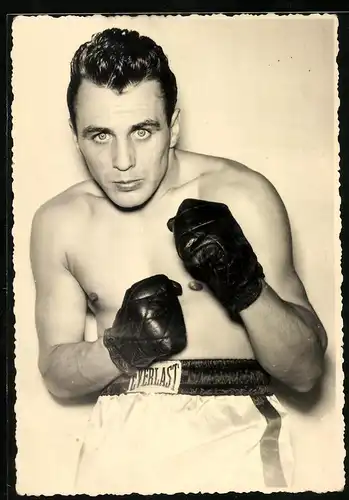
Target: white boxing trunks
(187,426)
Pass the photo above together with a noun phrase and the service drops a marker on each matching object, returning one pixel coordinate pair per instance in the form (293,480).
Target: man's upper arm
(265,223)
(60,308)
(261,214)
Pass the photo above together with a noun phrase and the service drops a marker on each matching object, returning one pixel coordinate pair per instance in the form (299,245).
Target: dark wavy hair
(116,58)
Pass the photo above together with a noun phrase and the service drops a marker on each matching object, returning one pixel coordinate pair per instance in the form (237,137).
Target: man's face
(124,139)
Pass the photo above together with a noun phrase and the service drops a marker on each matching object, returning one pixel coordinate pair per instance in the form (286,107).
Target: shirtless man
(152,213)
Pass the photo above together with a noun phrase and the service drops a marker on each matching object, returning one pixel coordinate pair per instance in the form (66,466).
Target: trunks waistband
(204,377)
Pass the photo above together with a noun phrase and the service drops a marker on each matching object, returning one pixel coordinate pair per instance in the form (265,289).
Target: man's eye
(142,133)
(102,137)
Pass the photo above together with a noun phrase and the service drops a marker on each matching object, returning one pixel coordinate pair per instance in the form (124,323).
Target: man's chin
(130,201)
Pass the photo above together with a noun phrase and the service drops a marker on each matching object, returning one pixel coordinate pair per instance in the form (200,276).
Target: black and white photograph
(177,288)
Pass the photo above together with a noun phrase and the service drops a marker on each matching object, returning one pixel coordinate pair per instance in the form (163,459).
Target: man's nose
(123,155)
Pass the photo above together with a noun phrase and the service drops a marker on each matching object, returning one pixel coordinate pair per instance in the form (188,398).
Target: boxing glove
(215,251)
(149,326)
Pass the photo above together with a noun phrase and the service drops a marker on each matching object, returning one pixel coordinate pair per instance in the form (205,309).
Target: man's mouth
(128,185)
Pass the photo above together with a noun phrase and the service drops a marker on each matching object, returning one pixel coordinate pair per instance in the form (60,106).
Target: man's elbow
(55,388)
(305,386)
(310,377)
(323,339)
(59,392)
(53,383)
(312,366)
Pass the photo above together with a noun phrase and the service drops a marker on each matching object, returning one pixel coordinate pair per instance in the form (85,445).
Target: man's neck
(171,177)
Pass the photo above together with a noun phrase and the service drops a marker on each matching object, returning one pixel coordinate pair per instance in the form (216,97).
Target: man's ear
(174,127)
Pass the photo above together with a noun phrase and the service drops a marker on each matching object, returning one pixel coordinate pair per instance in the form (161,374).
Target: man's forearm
(285,338)
(75,370)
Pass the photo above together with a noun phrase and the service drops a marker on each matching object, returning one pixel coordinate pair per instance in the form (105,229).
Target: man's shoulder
(65,210)
(198,165)
(251,197)
(220,177)
(72,201)
(248,193)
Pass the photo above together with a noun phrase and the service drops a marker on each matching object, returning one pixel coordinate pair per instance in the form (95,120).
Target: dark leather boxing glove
(215,251)
(149,326)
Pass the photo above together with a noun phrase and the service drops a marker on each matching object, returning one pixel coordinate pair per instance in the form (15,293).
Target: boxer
(185,261)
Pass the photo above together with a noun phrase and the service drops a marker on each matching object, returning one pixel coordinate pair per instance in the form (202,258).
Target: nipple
(93,297)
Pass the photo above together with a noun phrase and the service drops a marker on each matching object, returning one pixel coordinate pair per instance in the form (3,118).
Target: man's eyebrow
(93,129)
(146,123)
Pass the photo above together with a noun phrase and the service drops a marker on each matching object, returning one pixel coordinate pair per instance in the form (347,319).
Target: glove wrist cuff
(120,363)
(246,296)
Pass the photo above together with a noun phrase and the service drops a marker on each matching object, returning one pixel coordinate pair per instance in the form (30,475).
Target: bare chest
(109,258)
